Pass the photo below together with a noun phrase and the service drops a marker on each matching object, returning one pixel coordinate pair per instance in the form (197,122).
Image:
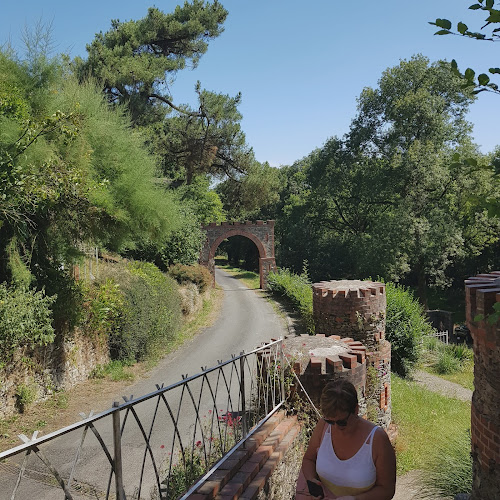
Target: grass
(449,472)
(115,370)
(454,363)
(426,422)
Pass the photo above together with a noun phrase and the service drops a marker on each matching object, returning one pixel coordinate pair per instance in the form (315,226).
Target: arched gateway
(260,232)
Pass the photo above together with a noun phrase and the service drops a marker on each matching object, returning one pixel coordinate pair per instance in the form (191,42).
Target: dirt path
(441,386)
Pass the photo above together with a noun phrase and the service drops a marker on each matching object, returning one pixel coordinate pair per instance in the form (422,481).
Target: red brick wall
(316,371)
(260,232)
(482,292)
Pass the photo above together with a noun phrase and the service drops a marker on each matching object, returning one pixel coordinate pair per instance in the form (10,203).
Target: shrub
(107,307)
(197,274)
(297,288)
(25,396)
(447,363)
(462,352)
(152,313)
(406,326)
(25,319)
(136,307)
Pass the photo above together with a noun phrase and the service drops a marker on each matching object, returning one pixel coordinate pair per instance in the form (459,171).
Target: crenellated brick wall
(482,292)
(318,359)
(356,310)
(260,232)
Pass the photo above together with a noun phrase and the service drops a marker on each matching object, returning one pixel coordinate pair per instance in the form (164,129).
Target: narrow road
(246,320)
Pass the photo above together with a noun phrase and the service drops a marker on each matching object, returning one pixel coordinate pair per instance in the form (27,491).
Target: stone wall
(482,292)
(56,367)
(43,371)
(356,310)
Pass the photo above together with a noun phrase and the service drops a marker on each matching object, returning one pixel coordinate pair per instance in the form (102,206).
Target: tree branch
(199,114)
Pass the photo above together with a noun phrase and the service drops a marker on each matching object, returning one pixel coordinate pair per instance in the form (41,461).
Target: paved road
(246,320)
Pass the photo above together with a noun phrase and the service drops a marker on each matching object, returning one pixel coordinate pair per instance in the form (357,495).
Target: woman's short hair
(338,395)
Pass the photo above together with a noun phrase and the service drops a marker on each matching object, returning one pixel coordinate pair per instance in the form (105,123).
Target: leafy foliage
(297,288)
(76,172)
(212,143)
(132,58)
(197,274)
(393,197)
(249,196)
(25,320)
(134,62)
(406,326)
(152,314)
(482,82)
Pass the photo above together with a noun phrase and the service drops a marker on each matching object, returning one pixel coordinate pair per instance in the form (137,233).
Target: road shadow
(296,325)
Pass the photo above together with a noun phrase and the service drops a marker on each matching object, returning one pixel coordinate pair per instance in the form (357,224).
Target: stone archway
(260,232)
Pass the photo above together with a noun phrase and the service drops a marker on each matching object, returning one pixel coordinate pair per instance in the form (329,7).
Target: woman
(348,456)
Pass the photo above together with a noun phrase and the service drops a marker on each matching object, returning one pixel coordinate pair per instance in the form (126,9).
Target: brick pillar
(481,293)
(356,309)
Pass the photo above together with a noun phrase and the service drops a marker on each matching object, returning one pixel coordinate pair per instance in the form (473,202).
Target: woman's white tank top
(346,477)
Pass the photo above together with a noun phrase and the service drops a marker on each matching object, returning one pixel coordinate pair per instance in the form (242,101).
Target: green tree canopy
(134,58)
(71,170)
(135,61)
(392,197)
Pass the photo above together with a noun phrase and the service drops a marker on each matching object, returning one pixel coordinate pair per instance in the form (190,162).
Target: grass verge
(454,363)
(249,278)
(426,423)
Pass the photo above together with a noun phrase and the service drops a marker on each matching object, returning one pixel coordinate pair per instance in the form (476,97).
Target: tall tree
(392,197)
(251,195)
(136,61)
(71,170)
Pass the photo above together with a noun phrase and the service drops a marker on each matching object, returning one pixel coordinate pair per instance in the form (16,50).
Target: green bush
(197,274)
(452,358)
(152,313)
(135,307)
(25,396)
(106,308)
(297,288)
(462,352)
(25,319)
(406,326)
(447,363)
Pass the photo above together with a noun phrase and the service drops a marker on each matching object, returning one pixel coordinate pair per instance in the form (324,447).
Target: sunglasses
(340,423)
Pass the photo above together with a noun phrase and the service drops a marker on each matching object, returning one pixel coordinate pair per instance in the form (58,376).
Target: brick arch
(260,232)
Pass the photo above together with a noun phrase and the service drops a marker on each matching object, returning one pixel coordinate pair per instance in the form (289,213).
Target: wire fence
(156,446)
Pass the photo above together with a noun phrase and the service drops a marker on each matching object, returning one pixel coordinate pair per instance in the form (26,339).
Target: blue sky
(299,65)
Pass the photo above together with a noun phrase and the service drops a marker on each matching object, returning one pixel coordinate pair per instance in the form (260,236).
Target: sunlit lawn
(425,421)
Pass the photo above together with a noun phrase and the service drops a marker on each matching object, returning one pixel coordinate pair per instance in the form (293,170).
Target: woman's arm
(385,464)
(309,460)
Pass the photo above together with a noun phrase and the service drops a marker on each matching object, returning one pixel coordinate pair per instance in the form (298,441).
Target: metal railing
(154,446)
(442,336)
